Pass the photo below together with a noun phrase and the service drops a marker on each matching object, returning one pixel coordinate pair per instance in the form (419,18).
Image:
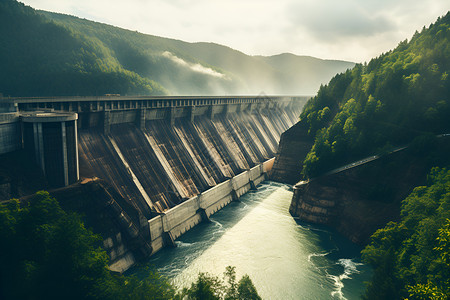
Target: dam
(157,165)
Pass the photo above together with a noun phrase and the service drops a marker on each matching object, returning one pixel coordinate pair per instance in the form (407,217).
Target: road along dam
(144,170)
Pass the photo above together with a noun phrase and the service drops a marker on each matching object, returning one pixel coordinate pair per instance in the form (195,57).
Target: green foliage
(411,257)
(47,253)
(213,288)
(41,58)
(395,97)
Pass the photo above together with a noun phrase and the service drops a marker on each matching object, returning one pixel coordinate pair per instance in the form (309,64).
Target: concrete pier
(51,137)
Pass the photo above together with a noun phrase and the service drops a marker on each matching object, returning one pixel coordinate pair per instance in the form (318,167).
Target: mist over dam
(159,166)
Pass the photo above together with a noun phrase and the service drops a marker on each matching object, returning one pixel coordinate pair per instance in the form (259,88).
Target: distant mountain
(44,53)
(308,72)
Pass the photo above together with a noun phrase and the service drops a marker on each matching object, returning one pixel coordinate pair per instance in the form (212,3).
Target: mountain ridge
(93,58)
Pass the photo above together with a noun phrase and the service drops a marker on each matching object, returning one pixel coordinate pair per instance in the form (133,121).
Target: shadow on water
(331,239)
(339,262)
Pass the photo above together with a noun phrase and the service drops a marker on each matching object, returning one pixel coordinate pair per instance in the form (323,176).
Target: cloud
(357,30)
(193,67)
(331,20)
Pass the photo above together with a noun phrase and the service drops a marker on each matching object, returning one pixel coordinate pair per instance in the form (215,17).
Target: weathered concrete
(52,138)
(170,161)
(188,214)
(10,135)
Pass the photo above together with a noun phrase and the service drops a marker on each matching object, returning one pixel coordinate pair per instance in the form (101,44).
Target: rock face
(358,201)
(292,150)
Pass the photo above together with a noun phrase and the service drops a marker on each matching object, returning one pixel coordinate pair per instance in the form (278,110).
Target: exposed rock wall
(358,201)
(292,150)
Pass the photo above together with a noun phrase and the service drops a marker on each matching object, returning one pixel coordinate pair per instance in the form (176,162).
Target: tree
(412,257)
(211,287)
(47,253)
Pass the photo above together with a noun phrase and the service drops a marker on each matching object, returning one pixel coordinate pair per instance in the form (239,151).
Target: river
(285,259)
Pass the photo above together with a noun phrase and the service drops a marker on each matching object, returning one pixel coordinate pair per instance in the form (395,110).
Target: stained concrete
(188,214)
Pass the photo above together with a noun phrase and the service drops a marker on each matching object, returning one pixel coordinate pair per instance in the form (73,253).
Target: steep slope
(389,102)
(45,54)
(38,57)
(395,98)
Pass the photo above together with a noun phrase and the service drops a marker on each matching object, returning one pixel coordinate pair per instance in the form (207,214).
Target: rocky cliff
(293,147)
(359,200)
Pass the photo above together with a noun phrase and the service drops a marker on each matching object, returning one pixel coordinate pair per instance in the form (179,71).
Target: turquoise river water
(285,259)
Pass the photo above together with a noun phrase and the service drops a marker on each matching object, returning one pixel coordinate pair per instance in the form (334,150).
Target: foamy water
(284,258)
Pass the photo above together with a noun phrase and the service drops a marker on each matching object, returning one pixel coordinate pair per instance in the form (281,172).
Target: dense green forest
(48,253)
(396,97)
(49,54)
(411,257)
(39,57)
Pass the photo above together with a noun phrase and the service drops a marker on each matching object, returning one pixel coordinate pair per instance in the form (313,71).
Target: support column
(106,122)
(142,119)
(211,112)
(171,115)
(76,151)
(64,154)
(167,236)
(227,109)
(234,196)
(36,143)
(191,114)
(233,193)
(202,211)
(252,185)
(41,146)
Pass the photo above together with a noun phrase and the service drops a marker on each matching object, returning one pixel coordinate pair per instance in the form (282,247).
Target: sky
(352,30)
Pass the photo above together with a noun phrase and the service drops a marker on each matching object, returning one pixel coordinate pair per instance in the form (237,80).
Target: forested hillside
(396,97)
(45,54)
(411,257)
(39,57)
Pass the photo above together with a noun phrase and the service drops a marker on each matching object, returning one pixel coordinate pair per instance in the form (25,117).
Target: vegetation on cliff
(412,257)
(396,97)
(48,253)
(49,54)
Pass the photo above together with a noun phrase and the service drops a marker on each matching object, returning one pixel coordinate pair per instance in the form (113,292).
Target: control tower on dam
(166,163)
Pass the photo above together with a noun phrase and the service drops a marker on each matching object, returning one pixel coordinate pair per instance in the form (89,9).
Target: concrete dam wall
(159,166)
(178,175)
